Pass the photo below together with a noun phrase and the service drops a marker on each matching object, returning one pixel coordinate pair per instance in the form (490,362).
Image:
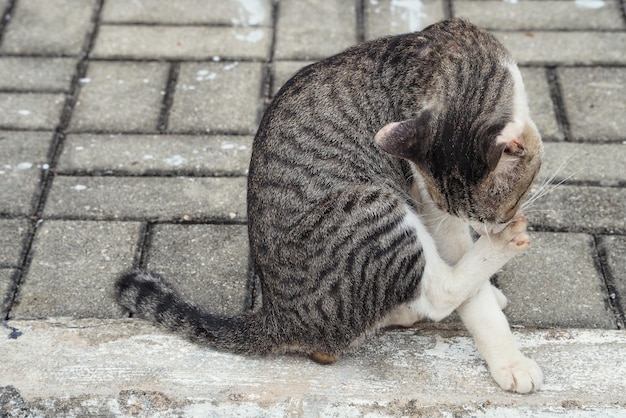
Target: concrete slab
(182,42)
(239,13)
(30,110)
(73,267)
(217,97)
(614,249)
(126,367)
(591,209)
(22,156)
(299,36)
(48,27)
(156,154)
(550,14)
(540,103)
(568,48)
(148,198)
(6,286)
(41,74)
(121,96)
(389,17)
(594,102)
(598,164)
(556,284)
(12,235)
(207,264)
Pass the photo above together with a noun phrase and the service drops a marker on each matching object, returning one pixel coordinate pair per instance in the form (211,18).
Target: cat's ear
(509,144)
(408,139)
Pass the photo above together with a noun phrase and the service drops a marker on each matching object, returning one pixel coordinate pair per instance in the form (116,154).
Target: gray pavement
(125,132)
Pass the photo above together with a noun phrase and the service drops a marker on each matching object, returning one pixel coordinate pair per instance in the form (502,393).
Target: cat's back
(317,135)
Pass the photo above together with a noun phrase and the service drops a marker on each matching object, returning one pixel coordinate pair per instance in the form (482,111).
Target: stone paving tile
(589,209)
(6,286)
(601,164)
(545,14)
(615,249)
(30,110)
(556,283)
(217,97)
(12,235)
(148,198)
(238,13)
(389,17)
(141,154)
(48,27)
(594,101)
(283,71)
(207,264)
(121,96)
(25,73)
(298,35)
(567,48)
(22,155)
(540,102)
(182,42)
(73,268)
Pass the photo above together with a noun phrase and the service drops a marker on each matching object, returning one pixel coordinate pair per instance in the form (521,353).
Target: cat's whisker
(540,211)
(487,233)
(548,186)
(442,218)
(545,190)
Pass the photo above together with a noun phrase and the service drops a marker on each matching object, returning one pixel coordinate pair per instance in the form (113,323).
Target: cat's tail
(148,296)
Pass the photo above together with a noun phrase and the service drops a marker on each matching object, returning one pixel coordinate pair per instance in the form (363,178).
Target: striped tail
(148,296)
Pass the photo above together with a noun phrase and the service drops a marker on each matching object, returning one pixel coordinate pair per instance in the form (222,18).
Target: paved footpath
(125,133)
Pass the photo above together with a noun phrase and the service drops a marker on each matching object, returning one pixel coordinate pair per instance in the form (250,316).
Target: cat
(367,172)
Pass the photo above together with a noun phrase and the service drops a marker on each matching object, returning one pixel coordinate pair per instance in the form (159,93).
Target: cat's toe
(323,358)
(514,236)
(520,241)
(521,376)
(518,224)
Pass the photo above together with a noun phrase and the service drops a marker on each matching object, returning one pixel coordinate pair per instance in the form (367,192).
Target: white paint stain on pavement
(251,13)
(590,4)
(411,12)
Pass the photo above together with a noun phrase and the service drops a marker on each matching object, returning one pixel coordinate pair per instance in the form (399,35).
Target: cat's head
(475,146)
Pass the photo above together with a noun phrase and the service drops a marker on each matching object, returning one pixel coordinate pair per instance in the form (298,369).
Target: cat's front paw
(522,375)
(514,236)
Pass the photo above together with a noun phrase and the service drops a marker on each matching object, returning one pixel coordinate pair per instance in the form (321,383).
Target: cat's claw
(522,376)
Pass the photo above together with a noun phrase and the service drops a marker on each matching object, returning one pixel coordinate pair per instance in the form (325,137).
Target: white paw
(402,316)
(522,376)
(514,235)
(500,298)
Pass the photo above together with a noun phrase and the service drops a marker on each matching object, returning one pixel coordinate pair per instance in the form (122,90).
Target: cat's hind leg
(402,316)
(500,297)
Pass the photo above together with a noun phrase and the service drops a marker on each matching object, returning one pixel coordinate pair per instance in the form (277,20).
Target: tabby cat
(367,171)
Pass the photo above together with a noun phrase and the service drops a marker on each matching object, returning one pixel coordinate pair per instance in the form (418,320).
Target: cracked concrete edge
(124,367)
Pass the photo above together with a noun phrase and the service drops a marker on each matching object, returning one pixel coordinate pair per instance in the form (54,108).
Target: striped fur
(339,232)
